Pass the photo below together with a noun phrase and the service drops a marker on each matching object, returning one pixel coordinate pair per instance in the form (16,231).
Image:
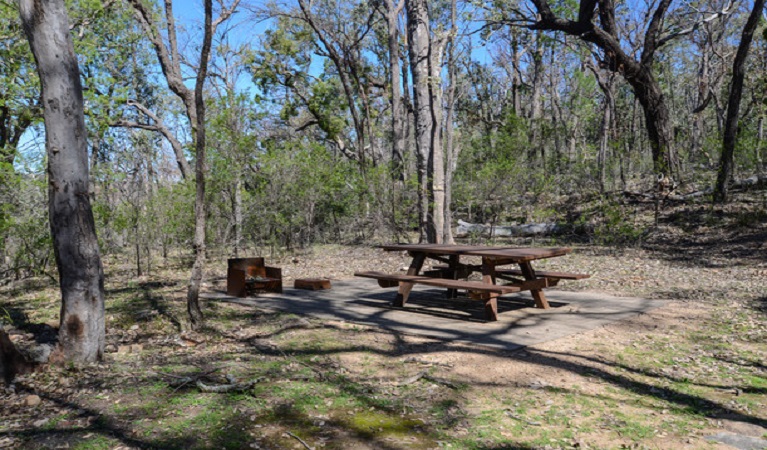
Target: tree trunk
(419,54)
(81,277)
(536,101)
(657,120)
(436,166)
(733,104)
(398,135)
(451,150)
(237,210)
(193,294)
(759,140)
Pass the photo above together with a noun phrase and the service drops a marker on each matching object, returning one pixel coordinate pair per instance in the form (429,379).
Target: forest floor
(667,379)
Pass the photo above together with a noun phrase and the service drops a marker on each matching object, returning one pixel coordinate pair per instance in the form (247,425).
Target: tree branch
(726,10)
(160,127)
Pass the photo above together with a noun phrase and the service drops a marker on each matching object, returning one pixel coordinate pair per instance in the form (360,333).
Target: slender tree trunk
(436,167)
(698,122)
(759,139)
(81,277)
(516,81)
(536,99)
(604,130)
(237,210)
(398,135)
(193,294)
(451,149)
(733,105)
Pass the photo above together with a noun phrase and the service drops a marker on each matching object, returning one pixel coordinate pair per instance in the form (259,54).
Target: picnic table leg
(453,264)
(538,296)
(405,288)
(491,299)
(491,307)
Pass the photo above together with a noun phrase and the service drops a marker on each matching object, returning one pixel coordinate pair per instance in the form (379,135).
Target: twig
(412,379)
(425,375)
(299,440)
(522,419)
(441,381)
(413,359)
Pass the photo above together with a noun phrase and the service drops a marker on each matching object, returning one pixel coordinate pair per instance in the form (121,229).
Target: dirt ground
(667,379)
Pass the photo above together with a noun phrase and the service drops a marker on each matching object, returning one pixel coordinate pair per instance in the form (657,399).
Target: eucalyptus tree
(427,127)
(234,133)
(19,86)
(349,88)
(81,277)
(733,102)
(170,59)
(391,11)
(597,22)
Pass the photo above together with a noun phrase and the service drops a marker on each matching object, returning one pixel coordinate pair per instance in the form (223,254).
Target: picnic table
(452,272)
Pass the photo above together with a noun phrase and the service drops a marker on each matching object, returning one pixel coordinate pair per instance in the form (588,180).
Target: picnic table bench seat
(477,289)
(544,274)
(393,279)
(518,272)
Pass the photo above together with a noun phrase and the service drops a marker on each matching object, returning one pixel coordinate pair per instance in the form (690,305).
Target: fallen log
(531,229)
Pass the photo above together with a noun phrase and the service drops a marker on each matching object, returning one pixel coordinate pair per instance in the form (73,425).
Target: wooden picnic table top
(513,254)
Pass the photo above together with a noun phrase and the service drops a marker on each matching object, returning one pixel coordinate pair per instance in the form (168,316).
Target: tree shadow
(566,361)
(147,297)
(732,246)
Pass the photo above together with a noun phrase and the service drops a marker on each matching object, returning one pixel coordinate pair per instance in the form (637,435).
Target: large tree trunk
(657,120)
(436,167)
(419,53)
(81,332)
(733,104)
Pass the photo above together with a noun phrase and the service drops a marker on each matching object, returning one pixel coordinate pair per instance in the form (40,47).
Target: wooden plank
(312,284)
(538,296)
(510,254)
(440,282)
(546,274)
(404,288)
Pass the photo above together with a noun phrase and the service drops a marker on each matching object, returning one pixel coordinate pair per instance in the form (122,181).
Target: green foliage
(491,175)
(616,225)
(302,193)
(24,229)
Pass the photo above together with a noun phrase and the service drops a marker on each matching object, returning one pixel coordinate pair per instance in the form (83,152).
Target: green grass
(659,383)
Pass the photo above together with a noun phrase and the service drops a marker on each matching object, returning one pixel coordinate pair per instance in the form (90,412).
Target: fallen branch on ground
(222,388)
(299,440)
(424,375)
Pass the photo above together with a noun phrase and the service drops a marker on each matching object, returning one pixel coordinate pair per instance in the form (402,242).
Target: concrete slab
(429,313)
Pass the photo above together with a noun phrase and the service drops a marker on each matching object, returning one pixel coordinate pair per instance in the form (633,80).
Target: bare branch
(160,127)
(725,11)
